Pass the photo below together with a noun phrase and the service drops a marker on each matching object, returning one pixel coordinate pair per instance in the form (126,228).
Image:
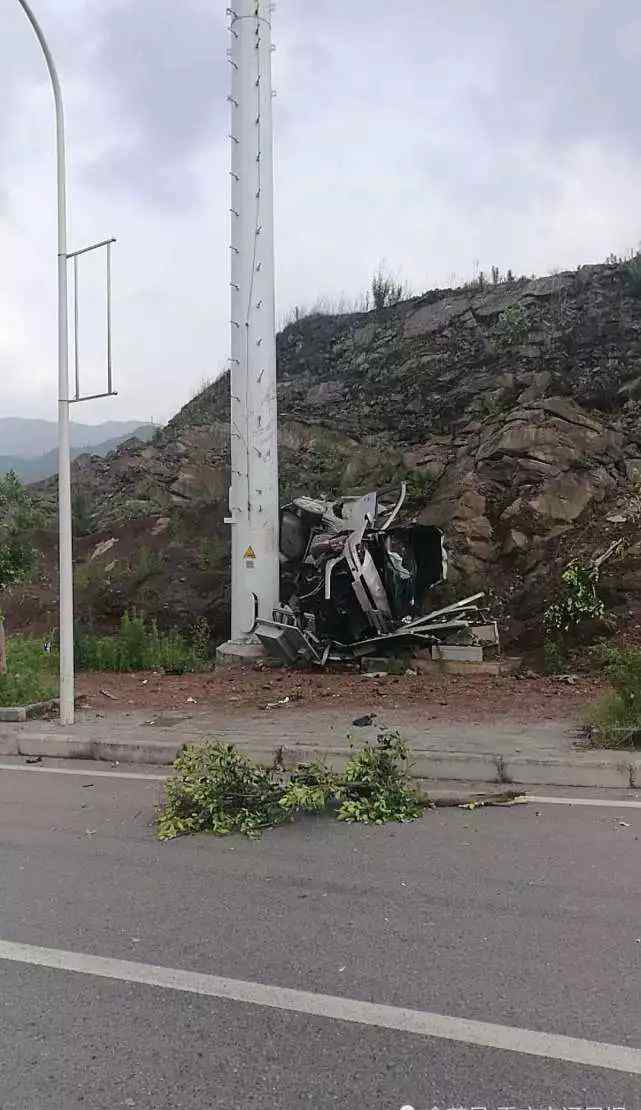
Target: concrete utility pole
(64,463)
(253,500)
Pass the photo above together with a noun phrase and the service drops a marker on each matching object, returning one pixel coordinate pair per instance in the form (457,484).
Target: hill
(35,468)
(27,439)
(512,412)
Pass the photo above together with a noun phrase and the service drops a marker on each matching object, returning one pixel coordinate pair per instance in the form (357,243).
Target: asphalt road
(527,918)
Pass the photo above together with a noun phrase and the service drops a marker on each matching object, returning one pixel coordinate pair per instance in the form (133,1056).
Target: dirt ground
(459,698)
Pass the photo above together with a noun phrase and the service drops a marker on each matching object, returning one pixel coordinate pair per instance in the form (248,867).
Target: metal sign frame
(75,255)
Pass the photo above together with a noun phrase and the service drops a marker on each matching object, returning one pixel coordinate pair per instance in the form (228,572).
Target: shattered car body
(353,580)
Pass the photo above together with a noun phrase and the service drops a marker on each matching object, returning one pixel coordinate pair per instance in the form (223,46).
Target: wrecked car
(353,580)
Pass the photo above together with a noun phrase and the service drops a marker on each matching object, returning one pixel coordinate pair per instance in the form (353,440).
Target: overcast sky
(435,134)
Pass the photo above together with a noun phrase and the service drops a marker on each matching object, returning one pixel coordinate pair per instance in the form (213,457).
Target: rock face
(512,412)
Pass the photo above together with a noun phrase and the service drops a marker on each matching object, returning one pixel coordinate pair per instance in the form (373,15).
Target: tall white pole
(254,444)
(64,464)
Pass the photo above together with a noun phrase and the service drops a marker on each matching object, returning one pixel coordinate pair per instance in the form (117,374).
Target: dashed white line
(593,1054)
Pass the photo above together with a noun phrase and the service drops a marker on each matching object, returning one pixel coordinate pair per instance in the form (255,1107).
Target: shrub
(578,602)
(30,673)
(615,720)
(18,515)
(632,276)
(217,789)
(386,291)
(513,323)
(554,660)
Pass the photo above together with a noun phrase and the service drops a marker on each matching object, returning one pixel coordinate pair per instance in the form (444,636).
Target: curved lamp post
(64,465)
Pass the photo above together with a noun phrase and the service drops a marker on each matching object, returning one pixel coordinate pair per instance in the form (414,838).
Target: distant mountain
(28,439)
(45,465)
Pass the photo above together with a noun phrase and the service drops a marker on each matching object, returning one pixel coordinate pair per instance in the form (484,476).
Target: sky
(434,136)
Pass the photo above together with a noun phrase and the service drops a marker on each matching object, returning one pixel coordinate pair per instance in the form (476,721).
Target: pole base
(235,652)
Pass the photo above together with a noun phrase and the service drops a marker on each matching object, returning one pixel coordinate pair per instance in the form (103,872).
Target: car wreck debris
(353,580)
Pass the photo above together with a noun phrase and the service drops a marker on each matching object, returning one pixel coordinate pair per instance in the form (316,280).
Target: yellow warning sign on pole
(250,553)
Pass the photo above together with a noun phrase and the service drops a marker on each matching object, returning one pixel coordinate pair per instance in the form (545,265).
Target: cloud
(436,135)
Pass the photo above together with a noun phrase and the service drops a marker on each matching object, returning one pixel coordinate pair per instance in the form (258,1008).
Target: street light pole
(64,462)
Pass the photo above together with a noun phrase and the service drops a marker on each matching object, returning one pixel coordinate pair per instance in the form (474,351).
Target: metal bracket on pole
(111,392)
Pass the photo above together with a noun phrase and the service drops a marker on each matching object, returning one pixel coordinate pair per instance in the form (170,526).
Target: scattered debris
(192,701)
(103,548)
(276,704)
(106,694)
(33,759)
(354,578)
(365,722)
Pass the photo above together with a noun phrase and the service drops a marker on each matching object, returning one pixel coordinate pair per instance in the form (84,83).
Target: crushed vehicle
(353,580)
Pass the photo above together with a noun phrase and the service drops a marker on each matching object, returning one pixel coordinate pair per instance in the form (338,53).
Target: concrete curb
(22,713)
(620,770)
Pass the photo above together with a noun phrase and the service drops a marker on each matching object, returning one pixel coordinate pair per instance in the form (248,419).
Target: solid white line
(616,803)
(38,770)
(530,1042)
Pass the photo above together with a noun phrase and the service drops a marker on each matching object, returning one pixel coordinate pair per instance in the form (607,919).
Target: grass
(31,673)
(615,720)
(140,646)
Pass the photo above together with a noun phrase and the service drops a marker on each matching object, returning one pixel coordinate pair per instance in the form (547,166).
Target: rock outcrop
(512,412)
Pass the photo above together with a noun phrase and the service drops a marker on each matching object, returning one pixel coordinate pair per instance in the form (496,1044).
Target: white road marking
(614,802)
(38,770)
(552,1046)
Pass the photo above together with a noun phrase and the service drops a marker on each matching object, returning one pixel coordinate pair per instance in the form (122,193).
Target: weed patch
(615,720)
(140,646)
(31,673)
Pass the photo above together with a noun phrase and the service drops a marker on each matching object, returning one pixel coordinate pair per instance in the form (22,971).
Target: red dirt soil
(460,698)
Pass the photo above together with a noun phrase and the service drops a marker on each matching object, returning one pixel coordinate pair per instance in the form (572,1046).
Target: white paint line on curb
(613,803)
(89,774)
(616,803)
(420,1023)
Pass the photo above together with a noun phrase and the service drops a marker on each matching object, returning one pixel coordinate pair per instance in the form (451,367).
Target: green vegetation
(219,790)
(30,673)
(578,602)
(632,275)
(513,323)
(386,291)
(554,658)
(18,515)
(140,646)
(615,720)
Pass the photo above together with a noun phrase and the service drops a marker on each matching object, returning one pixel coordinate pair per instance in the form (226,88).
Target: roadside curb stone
(609,770)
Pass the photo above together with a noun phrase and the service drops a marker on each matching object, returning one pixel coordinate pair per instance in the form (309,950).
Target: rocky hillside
(512,411)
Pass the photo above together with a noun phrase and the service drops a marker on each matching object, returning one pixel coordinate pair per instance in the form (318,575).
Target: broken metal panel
(354,578)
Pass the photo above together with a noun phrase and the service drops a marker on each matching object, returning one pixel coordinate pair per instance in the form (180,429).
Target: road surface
(473,959)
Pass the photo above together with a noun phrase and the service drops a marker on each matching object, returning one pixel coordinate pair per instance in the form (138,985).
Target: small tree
(17,556)
(386,291)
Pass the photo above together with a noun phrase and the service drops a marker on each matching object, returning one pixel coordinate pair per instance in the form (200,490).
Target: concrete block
(583,770)
(458,653)
(486,633)
(373,664)
(141,751)
(55,747)
(455,766)
(13,713)
(488,666)
(8,745)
